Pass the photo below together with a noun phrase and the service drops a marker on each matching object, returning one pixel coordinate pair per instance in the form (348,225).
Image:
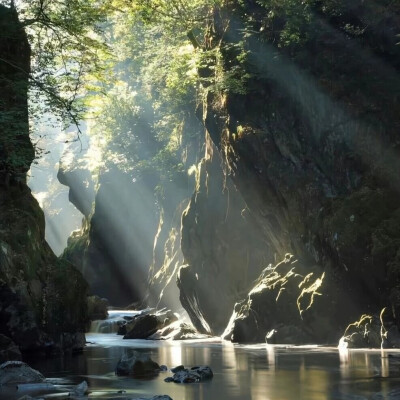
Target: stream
(245,372)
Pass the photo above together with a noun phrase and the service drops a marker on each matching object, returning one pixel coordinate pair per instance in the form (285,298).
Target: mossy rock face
(42,298)
(76,247)
(16,149)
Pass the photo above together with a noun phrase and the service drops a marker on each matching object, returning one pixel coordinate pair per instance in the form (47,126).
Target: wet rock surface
(371,331)
(142,327)
(288,304)
(364,333)
(18,372)
(146,324)
(178,331)
(79,390)
(190,375)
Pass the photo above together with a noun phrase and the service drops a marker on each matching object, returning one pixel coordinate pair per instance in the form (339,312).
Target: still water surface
(252,372)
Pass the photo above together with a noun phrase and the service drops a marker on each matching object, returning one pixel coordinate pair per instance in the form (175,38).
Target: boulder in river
(80,390)
(192,375)
(144,326)
(178,331)
(372,331)
(136,364)
(289,303)
(364,333)
(18,372)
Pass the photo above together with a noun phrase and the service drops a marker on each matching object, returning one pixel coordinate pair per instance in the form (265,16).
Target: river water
(245,372)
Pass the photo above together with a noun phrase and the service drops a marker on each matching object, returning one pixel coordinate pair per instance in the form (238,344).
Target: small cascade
(115,319)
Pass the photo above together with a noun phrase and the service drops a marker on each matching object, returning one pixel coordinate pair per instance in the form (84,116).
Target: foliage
(190,17)
(153,90)
(287,23)
(66,49)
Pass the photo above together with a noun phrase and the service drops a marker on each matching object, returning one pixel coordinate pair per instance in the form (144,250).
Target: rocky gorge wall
(129,246)
(312,148)
(42,300)
(222,246)
(114,248)
(292,227)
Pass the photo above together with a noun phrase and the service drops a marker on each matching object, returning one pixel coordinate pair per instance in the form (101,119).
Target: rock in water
(177,369)
(136,364)
(289,303)
(146,326)
(371,331)
(192,375)
(142,327)
(18,372)
(80,390)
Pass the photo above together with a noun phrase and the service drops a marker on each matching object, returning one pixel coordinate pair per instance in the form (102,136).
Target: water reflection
(261,372)
(271,356)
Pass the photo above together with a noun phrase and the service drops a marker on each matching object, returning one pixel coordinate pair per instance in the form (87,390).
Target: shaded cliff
(114,249)
(311,144)
(43,300)
(222,246)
